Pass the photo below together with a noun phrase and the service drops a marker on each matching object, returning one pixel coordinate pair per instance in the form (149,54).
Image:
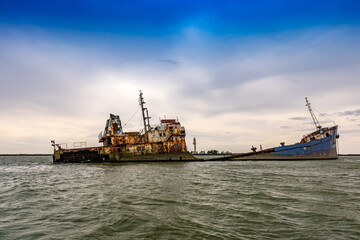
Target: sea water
(179,200)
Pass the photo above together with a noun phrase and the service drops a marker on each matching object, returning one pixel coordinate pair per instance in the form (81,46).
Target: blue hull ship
(320,144)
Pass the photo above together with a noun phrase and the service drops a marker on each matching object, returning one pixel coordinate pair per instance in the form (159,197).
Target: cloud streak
(299,118)
(349,113)
(169,61)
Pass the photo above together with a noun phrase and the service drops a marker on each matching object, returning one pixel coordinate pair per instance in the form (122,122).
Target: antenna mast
(145,113)
(316,122)
(194,142)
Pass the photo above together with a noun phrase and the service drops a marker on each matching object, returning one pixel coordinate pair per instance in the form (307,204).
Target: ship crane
(316,122)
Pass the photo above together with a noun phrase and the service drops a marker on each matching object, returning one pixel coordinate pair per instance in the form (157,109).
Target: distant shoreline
(26,154)
(351,154)
(49,154)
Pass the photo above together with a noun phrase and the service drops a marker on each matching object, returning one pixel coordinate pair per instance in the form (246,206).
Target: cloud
(232,92)
(169,61)
(244,73)
(349,113)
(351,132)
(299,118)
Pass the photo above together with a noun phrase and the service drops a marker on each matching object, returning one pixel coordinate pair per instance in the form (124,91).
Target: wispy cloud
(169,61)
(349,113)
(299,118)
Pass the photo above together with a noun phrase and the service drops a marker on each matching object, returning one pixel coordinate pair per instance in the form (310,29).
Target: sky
(235,73)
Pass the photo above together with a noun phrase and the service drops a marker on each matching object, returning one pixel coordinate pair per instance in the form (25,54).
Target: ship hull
(97,155)
(320,149)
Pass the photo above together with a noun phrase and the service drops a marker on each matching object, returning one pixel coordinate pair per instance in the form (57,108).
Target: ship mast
(145,113)
(316,122)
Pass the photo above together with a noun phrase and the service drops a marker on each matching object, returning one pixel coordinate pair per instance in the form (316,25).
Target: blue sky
(235,72)
(167,17)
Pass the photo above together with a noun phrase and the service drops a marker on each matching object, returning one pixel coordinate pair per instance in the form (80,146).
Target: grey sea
(195,200)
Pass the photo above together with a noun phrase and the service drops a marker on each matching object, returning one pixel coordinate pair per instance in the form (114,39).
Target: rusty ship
(163,142)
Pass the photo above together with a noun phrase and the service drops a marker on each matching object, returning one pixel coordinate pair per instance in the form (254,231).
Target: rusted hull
(99,154)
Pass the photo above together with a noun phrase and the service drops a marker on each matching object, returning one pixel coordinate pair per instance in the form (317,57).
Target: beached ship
(320,144)
(163,142)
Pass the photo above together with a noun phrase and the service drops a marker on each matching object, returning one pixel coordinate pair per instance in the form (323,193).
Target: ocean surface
(196,200)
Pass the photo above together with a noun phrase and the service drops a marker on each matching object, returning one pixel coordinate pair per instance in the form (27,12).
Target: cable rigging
(131,117)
